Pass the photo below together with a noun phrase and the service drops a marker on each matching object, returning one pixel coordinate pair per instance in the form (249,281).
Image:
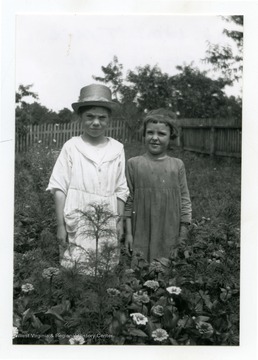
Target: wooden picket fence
(206,136)
(55,135)
(214,140)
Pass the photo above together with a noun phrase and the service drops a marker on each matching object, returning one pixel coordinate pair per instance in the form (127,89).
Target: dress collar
(113,149)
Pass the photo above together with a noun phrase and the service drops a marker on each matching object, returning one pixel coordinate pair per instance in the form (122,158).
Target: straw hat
(94,95)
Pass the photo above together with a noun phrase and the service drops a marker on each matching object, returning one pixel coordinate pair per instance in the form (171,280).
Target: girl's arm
(122,192)
(186,206)
(60,198)
(128,209)
(128,235)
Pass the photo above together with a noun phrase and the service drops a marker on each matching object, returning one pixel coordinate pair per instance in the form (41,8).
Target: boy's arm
(60,198)
(120,223)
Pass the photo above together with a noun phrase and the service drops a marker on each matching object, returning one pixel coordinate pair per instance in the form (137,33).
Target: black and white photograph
(128,195)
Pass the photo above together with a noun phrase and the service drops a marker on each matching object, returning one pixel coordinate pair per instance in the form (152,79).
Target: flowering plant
(139,319)
(27,288)
(190,299)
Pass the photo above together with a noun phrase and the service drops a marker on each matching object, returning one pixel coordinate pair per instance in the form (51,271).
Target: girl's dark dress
(159,201)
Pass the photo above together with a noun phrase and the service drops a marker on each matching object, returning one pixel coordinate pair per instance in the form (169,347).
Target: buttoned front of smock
(87,174)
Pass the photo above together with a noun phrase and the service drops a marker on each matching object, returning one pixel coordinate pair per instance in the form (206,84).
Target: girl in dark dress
(158,210)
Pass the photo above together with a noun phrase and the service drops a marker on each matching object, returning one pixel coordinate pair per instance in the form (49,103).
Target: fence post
(212,141)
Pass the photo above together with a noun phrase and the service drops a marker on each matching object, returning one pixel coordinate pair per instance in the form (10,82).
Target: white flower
(49,272)
(54,140)
(204,328)
(77,340)
(139,319)
(158,310)
(27,287)
(129,271)
(39,141)
(159,335)
(141,298)
(15,332)
(156,266)
(113,292)
(174,290)
(152,284)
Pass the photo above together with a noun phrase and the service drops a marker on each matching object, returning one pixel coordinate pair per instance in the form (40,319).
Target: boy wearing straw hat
(89,170)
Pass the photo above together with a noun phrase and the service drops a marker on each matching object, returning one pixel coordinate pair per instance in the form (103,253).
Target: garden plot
(191,299)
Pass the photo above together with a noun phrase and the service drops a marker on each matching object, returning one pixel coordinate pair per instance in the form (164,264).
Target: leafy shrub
(191,299)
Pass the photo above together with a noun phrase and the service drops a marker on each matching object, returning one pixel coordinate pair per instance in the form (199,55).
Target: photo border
(249,209)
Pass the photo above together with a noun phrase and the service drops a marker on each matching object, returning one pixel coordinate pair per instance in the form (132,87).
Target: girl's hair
(88,107)
(163,116)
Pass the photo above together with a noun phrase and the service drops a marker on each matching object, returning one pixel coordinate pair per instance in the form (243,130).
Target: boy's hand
(129,243)
(62,235)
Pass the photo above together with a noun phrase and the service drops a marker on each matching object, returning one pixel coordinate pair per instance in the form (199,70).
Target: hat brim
(106,104)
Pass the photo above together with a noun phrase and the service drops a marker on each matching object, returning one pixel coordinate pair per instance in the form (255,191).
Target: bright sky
(60,53)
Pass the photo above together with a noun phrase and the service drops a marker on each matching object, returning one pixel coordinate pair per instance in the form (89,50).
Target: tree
(35,113)
(24,91)
(190,93)
(113,76)
(224,58)
(65,115)
(152,88)
(196,95)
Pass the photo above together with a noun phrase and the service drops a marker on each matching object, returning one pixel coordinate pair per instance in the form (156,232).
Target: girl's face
(95,121)
(157,138)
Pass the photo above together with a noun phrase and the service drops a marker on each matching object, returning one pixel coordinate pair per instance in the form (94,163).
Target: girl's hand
(120,229)
(173,253)
(129,243)
(62,235)
(183,233)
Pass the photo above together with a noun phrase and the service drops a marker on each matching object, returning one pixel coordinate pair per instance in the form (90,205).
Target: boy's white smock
(87,174)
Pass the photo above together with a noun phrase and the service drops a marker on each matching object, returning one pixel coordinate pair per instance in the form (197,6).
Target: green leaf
(37,324)
(26,315)
(202,318)
(115,327)
(173,341)
(44,328)
(55,314)
(134,306)
(164,261)
(16,320)
(151,326)
(121,317)
(186,254)
(199,307)
(137,332)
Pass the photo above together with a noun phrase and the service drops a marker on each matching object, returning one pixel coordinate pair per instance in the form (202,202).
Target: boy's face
(95,121)
(157,138)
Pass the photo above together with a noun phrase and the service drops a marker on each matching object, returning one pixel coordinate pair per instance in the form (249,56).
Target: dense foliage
(190,299)
(34,113)
(226,59)
(191,93)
